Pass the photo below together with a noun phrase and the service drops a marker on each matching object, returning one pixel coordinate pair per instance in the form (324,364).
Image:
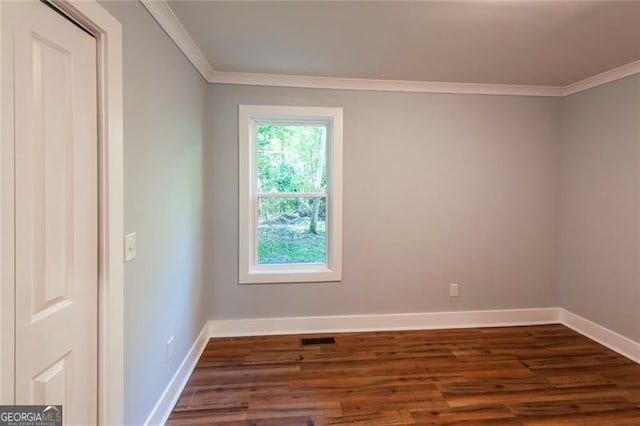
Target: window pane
(292,230)
(291,158)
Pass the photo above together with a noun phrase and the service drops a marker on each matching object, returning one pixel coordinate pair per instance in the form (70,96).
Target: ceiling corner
(169,22)
(163,14)
(602,78)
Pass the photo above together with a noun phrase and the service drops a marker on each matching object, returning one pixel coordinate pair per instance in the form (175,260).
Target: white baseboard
(614,341)
(169,397)
(383,322)
(426,321)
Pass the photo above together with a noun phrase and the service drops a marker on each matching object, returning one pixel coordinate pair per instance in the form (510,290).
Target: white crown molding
(602,78)
(163,14)
(165,17)
(312,82)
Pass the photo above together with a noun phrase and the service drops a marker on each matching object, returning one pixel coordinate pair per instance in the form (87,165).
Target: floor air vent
(318,341)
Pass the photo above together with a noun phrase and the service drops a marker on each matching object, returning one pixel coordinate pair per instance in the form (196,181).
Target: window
(290,194)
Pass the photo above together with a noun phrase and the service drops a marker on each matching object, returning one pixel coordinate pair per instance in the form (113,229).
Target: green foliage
(274,210)
(291,160)
(291,242)
(288,158)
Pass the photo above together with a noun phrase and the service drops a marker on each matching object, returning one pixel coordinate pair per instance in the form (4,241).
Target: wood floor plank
(580,380)
(610,418)
(289,407)
(460,414)
(538,375)
(198,416)
(378,418)
(472,387)
(547,395)
(572,406)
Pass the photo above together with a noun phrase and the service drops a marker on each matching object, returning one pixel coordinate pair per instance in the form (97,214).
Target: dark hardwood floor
(534,375)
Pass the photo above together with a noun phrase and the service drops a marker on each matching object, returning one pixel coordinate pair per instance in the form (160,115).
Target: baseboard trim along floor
(614,341)
(383,322)
(169,397)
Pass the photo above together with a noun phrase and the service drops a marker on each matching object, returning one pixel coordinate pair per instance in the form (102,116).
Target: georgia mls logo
(31,415)
(52,412)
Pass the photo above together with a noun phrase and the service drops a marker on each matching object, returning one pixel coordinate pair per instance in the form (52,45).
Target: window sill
(290,275)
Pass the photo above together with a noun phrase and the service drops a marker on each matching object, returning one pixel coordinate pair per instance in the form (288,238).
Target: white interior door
(56,216)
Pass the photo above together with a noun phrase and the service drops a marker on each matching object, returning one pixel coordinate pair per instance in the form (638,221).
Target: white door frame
(108,33)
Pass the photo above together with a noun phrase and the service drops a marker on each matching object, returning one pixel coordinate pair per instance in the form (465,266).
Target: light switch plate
(129,247)
(169,348)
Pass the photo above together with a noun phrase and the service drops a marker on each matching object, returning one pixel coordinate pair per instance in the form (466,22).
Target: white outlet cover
(453,289)
(129,247)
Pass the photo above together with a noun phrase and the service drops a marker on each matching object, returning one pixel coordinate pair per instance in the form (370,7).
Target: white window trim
(249,272)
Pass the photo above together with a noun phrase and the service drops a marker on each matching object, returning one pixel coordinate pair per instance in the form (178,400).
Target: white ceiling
(541,43)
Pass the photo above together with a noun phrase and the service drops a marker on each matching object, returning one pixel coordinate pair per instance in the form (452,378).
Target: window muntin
(291,194)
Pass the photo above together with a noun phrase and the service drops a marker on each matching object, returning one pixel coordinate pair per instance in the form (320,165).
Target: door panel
(56,223)
(50,385)
(52,161)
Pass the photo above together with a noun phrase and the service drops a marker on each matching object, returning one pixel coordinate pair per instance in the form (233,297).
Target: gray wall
(599,271)
(526,202)
(164,102)
(437,189)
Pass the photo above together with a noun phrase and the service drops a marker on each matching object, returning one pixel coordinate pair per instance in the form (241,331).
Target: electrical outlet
(170,348)
(453,290)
